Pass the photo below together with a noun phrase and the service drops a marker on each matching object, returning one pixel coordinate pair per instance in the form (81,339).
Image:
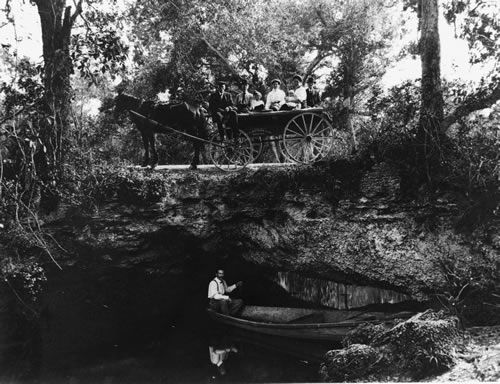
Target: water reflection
(336,295)
(219,349)
(243,356)
(125,326)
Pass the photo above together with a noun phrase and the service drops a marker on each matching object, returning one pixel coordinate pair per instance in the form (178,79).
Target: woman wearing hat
(299,90)
(276,97)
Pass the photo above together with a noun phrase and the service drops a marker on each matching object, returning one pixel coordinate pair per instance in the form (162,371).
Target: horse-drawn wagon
(300,136)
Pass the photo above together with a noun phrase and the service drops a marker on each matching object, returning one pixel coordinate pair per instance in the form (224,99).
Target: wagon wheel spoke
(316,126)
(321,145)
(323,136)
(301,131)
(305,124)
(294,150)
(304,138)
(321,131)
(294,131)
(231,156)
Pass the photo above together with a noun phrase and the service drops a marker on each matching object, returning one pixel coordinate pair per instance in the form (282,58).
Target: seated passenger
(256,103)
(300,90)
(222,109)
(312,94)
(276,97)
(291,102)
(244,98)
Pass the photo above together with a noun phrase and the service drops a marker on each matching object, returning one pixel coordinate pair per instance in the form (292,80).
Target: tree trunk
(431,109)
(348,109)
(56,22)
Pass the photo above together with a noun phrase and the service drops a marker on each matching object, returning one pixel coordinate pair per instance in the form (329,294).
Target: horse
(185,117)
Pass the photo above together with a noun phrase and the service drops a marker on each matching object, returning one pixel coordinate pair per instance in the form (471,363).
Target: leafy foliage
(27,277)
(478,23)
(257,40)
(472,286)
(95,54)
(128,186)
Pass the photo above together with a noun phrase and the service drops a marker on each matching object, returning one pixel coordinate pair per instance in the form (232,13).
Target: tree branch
(219,55)
(321,17)
(471,104)
(67,18)
(315,62)
(78,11)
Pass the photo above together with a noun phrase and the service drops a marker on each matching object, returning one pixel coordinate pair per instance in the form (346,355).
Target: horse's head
(125,102)
(195,102)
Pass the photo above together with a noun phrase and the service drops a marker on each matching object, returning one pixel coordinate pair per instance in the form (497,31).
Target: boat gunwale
(254,323)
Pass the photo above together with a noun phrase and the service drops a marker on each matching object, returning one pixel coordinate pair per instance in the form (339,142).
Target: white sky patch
(164,97)
(454,59)
(26,29)
(91,107)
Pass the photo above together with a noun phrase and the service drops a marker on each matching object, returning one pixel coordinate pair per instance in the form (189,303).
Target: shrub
(423,344)
(351,363)
(410,350)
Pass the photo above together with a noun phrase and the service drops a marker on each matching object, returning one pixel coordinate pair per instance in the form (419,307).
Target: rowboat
(303,323)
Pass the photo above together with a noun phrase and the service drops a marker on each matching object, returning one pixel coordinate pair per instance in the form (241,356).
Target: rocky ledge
(340,221)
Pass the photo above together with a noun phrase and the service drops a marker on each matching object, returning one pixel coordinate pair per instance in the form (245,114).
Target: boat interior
(306,316)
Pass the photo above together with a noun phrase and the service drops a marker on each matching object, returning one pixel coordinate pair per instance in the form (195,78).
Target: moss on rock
(350,364)
(423,345)
(363,334)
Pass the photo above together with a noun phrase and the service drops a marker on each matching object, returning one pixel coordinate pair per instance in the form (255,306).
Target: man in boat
(218,300)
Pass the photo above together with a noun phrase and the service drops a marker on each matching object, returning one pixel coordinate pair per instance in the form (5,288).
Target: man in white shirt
(276,97)
(218,300)
(299,90)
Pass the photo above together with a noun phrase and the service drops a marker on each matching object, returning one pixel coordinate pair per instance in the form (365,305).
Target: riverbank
(427,347)
(477,356)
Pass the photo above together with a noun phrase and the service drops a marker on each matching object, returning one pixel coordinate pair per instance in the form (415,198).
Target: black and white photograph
(249,191)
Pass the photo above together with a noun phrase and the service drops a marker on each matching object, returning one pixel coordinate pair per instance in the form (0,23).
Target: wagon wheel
(307,137)
(231,154)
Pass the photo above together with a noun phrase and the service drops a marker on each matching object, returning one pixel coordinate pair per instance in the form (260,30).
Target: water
(129,326)
(138,325)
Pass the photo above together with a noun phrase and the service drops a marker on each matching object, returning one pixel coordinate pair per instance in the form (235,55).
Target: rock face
(336,221)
